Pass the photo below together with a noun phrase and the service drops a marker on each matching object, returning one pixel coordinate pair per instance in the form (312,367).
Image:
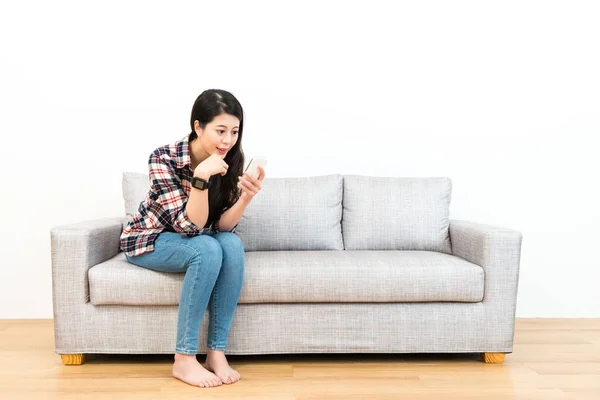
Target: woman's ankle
(185,357)
(215,353)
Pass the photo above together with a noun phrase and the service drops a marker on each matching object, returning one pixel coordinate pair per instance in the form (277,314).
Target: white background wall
(503,97)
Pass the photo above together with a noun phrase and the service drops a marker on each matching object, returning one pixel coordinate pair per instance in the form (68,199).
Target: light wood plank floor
(552,359)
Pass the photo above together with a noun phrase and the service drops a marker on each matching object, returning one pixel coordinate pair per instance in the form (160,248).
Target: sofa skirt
(429,327)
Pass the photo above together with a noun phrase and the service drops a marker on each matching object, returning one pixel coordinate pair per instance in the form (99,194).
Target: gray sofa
(334,264)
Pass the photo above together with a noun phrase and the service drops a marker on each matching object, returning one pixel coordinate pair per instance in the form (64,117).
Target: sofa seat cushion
(307,276)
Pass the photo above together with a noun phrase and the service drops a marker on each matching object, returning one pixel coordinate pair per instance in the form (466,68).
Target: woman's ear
(197,128)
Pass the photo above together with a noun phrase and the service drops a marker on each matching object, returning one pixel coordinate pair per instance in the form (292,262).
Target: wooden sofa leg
(493,358)
(72,359)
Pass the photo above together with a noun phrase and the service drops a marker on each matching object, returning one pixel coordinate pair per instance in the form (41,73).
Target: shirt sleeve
(171,196)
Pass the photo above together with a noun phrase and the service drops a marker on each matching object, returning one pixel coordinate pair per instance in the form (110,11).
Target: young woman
(197,196)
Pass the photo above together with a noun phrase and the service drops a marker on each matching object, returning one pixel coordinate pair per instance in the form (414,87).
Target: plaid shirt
(164,207)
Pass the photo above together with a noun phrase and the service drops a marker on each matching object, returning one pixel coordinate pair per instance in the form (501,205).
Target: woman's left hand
(250,185)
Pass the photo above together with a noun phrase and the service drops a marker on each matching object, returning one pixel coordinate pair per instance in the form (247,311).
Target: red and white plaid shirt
(164,207)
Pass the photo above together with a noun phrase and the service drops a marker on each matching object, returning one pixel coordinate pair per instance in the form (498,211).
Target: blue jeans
(214,268)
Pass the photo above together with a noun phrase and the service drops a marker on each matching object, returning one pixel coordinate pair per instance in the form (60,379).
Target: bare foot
(217,363)
(187,369)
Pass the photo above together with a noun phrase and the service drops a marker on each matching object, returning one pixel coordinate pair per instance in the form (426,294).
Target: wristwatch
(200,183)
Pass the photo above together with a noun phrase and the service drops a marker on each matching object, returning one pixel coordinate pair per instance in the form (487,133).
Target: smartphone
(252,167)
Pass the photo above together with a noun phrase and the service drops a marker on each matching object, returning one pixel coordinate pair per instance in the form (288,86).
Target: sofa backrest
(287,214)
(381,213)
(336,212)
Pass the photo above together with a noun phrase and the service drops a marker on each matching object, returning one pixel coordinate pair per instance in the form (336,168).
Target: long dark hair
(223,192)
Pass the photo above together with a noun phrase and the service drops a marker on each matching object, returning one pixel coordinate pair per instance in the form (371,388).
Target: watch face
(199,184)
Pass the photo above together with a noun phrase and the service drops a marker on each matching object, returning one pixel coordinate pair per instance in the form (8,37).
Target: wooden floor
(552,359)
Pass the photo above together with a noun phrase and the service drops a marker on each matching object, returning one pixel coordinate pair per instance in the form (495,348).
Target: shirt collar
(182,148)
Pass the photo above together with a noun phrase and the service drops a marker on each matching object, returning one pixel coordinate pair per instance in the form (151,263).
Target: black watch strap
(200,183)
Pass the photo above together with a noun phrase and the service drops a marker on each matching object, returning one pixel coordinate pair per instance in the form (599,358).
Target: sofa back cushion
(135,187)
(294,214)
(381,213)
(287,214)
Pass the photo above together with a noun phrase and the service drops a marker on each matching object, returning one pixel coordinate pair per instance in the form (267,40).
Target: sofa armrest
(498,251)
(75,248)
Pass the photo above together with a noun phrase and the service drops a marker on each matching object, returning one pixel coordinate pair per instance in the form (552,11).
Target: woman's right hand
(211,166)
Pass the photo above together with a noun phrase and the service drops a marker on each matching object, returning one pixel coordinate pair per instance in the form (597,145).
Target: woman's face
(220,135)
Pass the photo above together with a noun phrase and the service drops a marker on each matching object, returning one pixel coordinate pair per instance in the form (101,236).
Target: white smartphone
(252,167)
